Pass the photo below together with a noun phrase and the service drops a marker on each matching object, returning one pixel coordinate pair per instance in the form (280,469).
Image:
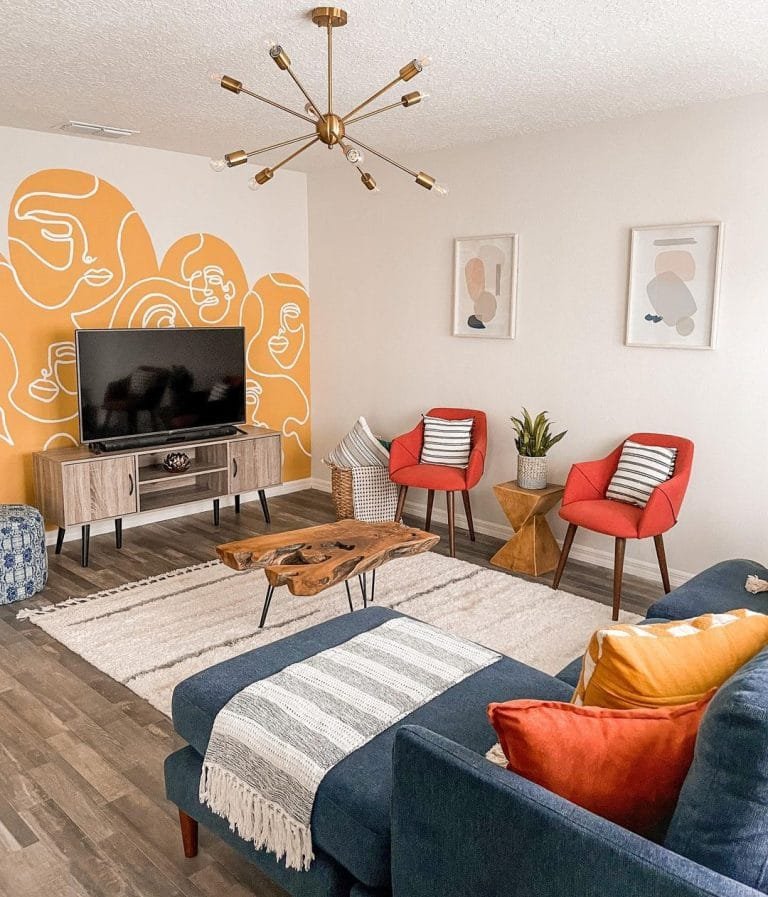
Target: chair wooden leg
(618,573)
(430,502)
(565,551)
(468,512)
(188,834)
(451,523)
(662,556)
(400,503)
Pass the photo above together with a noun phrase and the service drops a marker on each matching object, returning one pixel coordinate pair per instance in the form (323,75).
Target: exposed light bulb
(269,41)
(440,189)
(215,77)
(424,61)
(425,96)
(253,184)
(311,111)
(354,155)
(217,164)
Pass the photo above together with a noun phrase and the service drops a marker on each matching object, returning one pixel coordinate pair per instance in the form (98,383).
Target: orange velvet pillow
(624,765)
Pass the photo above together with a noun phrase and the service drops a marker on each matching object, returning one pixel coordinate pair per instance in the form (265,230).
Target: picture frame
(673,287)
(485,286)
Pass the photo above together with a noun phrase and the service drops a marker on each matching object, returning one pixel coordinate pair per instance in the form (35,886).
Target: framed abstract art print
(674,279)
(485,286)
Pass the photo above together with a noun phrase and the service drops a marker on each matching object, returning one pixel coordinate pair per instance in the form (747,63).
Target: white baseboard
(585,553)
(193,507)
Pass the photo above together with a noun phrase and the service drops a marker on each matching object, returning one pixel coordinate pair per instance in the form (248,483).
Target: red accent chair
(585,504)
(406,470)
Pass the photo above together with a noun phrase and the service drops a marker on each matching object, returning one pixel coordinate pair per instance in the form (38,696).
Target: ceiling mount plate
(329,15)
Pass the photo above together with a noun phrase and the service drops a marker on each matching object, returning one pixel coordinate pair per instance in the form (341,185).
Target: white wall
(381,270)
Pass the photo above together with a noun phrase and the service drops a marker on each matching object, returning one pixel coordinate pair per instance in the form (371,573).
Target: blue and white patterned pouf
(23,560)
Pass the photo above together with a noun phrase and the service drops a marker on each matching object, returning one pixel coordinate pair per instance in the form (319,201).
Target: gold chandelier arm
(276,105)
(266,149)
(293,155)
(298,83)
(370,149)
(374,112)
(410,99)
(371,98)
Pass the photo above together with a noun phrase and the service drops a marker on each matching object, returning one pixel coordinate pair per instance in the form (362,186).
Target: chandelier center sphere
(330,129)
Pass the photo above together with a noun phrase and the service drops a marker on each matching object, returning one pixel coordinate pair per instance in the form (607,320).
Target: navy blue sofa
(439,820)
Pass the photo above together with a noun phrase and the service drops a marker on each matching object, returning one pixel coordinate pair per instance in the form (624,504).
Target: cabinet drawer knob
(130,481)
(234,467)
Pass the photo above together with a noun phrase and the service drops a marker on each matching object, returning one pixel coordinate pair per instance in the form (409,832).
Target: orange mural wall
(80,256)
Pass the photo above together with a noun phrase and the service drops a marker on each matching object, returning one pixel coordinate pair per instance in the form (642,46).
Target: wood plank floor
(82,807)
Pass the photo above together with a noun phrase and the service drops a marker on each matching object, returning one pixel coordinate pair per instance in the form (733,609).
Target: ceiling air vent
(85,129)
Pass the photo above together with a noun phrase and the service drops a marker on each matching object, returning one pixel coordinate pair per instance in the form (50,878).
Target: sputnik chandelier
(328,127)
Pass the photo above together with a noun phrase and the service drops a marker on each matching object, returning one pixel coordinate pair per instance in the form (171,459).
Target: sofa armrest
(462,827)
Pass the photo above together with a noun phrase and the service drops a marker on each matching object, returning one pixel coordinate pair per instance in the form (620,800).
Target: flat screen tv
(137,383)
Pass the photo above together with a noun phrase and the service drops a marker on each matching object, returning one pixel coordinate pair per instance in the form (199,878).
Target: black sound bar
(127,443)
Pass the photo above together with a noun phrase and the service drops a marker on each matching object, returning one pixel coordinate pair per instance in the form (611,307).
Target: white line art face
(253,393)
(51,250)
(211,293)
(287,344)
(58,376)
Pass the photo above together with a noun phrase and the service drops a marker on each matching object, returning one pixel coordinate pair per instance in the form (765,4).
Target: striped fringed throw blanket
(273,742)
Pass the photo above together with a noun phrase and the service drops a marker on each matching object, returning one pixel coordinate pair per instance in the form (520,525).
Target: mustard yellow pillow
(661,664)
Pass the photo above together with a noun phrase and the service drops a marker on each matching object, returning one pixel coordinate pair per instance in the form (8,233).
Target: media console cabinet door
(94,490)
(254,464)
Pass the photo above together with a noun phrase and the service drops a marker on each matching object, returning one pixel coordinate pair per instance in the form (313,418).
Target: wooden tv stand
(75,487)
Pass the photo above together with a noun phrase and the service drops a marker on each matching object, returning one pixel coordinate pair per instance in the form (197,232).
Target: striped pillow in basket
(641,469)
(446,441)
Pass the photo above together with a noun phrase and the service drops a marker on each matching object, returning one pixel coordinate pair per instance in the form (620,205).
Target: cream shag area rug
(154,633)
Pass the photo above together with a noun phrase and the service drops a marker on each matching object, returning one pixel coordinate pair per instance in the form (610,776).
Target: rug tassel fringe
(27,613)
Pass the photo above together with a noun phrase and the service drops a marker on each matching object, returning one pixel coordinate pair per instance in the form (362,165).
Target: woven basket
(342,492)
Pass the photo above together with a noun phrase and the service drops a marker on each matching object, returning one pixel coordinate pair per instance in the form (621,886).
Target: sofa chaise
(419,812)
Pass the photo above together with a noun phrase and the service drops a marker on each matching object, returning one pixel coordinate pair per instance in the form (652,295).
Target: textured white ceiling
(499,68)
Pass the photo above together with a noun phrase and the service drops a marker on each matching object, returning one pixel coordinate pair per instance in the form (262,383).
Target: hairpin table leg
(265,609)
(349,596)
(363,580)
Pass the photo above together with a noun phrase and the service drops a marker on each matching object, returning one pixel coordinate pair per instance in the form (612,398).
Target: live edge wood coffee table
(313,559)
(532,549)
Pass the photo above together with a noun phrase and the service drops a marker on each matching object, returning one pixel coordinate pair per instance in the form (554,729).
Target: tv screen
(138,382)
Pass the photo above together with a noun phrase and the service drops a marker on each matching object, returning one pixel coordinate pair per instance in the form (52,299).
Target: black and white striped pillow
(641,469)
(446,441)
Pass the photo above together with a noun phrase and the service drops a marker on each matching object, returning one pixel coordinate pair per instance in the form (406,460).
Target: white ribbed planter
(531,472)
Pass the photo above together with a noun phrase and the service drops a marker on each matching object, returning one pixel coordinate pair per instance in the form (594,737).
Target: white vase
(531,472)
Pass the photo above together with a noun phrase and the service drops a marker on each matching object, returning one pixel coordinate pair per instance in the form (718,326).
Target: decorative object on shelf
(674,278)
(176,462)
(327,127)
(533,440)
(485,286)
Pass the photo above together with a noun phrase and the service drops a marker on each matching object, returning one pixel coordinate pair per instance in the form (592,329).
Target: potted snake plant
(533,439)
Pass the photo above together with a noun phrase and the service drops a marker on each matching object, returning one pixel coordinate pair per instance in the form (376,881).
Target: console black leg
(60,539)
(264,506)
(118,532)
(237,504)
(85,539)
(216,512)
